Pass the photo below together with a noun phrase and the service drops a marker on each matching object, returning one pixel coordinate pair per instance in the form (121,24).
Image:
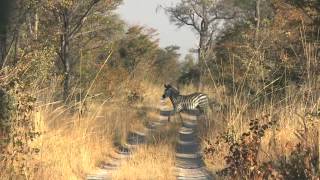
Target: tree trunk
(65,54)
(16,45)
(3,40)
(201,57)
(36,24)
(199,84)
(257,19)
(66,63)
(203,42)
(5,7)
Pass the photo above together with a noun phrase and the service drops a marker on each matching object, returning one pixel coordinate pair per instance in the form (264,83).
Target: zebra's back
(194,101)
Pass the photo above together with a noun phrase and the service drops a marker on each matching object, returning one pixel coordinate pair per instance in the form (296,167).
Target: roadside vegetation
(75,79)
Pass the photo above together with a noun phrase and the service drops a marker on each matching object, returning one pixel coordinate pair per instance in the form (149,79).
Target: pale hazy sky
(144,12)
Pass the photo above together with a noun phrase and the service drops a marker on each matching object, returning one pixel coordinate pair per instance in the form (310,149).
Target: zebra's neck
(175,99)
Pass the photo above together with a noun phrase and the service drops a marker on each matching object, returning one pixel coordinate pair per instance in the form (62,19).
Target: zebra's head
(169,91)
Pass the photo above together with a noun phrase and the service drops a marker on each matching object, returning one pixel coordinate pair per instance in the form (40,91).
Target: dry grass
(281,142)
(149,162)
(71,147)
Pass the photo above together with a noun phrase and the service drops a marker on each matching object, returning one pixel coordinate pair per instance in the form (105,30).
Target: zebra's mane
(174,90)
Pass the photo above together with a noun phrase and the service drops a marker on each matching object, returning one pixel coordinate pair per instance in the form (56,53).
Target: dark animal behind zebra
(195,101)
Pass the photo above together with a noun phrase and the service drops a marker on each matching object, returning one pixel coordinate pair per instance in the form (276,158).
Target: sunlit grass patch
(149,162)
(71,148)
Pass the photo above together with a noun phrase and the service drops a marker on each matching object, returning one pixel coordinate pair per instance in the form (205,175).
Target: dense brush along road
(189,163)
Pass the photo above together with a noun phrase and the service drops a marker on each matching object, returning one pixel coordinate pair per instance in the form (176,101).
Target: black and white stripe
(195,101)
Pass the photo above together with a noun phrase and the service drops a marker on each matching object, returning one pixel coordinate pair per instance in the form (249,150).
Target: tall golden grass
(69,146)
(149,162)
(291,110)
(72,146)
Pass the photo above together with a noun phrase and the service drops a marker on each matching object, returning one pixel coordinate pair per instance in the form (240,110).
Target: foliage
(6,109)
(137,58)
(167,64)
(311,7)
(244,159)
(135,94)
(286,49)
(207,18)
(17,128)
(189,71)
(42,39)
(40,65)
(248,8)
(137,46)
(301,164)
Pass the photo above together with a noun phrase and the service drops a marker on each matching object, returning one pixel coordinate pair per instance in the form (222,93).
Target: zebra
(195,101)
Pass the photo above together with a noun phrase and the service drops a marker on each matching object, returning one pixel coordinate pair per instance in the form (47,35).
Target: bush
(6,108)
(243,162)
(17,129)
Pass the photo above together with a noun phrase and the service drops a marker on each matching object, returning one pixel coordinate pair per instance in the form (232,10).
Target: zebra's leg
(170,113)
(207,118)
(204,114)
(180,118)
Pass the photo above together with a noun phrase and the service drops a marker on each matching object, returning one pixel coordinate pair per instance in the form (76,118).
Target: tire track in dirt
(189,162)
(124,152)
(106,171)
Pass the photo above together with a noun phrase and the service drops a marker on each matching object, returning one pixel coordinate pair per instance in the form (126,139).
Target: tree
(71,16)
(12,16)
(255,11)
(4,18)
(138,46)
(204,17)
(93,45)
(189,71)
(311,8)
(167,64)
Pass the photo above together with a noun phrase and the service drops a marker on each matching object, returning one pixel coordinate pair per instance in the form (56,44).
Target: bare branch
(80,22)
(185,18)
(217,17)
(195,25)
(196,10)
